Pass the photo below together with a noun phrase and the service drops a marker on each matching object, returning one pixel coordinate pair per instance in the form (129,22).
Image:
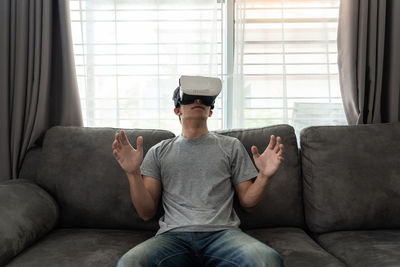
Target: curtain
(369,60)
(37,77)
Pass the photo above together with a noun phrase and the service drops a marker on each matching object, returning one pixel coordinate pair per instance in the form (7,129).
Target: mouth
(198,107)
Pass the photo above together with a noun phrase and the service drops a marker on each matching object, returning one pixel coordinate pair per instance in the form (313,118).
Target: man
(197,174)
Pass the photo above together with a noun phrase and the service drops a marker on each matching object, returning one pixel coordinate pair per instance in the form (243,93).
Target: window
(277,59)
(129,56)
(286,63)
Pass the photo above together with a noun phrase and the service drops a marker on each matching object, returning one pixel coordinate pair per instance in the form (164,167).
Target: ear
(177,111)
(211,112)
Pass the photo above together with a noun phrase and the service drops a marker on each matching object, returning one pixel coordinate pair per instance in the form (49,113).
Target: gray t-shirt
(197,177)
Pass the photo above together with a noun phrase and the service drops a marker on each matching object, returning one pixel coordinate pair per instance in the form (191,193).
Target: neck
(194,129)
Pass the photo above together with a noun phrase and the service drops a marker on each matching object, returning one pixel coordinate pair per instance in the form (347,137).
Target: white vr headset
(197,87)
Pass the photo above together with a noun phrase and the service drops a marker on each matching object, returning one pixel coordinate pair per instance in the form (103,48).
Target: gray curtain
(38,87)
(369,60)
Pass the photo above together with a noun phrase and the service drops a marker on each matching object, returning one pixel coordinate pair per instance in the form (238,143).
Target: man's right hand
(128,158)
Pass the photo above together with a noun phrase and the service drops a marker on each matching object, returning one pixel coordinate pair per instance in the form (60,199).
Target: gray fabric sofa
(334,202)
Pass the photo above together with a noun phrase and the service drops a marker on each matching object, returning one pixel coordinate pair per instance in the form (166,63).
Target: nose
(197,101)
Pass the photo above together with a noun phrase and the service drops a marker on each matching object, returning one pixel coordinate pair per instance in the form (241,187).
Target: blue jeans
(222,248)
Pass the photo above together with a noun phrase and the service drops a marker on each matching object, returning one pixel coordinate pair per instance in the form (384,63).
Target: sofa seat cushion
(364,248)
(296,247)
(80,247)
(27,213)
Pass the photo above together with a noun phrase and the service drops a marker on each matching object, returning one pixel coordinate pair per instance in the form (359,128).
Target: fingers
(254,151)
(116,144)
(116,155)
(139,143)
(117,141)
(278,144)
(120,139)
(271,142)
(281,150)
(124,138)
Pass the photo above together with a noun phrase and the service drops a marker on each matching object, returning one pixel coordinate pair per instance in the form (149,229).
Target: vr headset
(197,87)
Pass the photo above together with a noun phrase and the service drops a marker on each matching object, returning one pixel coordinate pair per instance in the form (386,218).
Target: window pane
(130,54)
(287,63)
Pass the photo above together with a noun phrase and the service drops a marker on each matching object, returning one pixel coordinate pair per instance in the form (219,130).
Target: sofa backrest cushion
(351,177)
(78,169)
(283,205)
(30,163)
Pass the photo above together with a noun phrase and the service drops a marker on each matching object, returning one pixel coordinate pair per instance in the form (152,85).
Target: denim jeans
(222,248)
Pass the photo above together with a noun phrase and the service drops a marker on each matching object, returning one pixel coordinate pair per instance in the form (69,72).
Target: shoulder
(228,144)
(226,140)
(163,145)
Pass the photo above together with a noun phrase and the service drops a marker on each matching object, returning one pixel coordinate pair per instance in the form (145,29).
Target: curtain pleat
(39,86)
(368,62)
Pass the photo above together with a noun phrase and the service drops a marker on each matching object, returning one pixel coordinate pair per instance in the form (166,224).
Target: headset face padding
(190,99)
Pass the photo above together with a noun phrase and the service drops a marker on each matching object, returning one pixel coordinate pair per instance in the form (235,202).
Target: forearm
(141,199)
(255,192)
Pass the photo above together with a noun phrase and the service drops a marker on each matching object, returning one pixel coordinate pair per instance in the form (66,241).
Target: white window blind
(286,63)
(129,56)
(278,64)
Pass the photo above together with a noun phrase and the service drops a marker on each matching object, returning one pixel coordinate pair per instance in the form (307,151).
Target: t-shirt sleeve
(151,165)
(242,167)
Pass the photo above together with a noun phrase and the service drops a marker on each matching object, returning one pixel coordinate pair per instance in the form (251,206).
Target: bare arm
(145,195)
(251,193)
(145,191)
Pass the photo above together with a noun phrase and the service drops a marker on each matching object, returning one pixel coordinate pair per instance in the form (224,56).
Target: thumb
(254,151)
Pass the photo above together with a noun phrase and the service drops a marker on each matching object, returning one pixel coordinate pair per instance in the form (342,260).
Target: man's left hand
(268,162)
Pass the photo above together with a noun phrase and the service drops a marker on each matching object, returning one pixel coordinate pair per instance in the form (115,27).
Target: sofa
(335,201)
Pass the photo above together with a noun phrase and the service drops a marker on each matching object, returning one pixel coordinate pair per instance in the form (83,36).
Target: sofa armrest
(27,213)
